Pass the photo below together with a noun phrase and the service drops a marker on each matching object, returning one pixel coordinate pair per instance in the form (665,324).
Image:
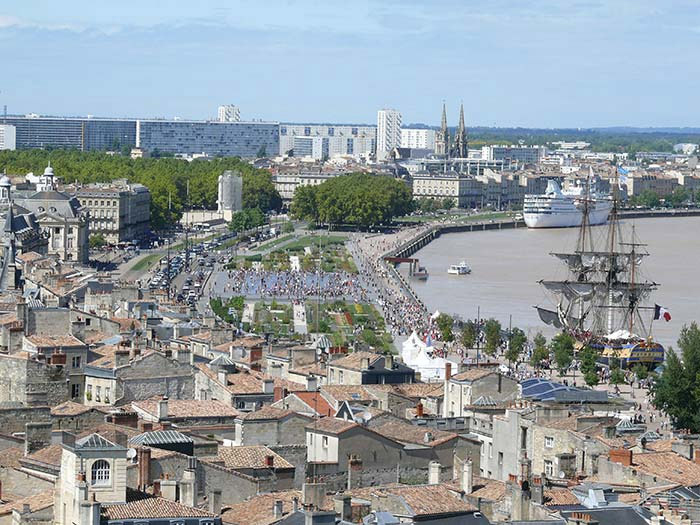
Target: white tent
(414,353)
(435,315)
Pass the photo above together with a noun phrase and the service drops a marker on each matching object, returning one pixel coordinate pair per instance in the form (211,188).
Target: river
(506,265)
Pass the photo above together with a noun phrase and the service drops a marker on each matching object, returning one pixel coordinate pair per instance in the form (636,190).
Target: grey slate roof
(161,437)
(95,442)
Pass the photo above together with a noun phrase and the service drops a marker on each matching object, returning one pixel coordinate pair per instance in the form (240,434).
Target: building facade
(418,138)
(119,211)
(388,132)
(61,216)
(84,134)
(337,139)
(227,139)
(229,113)
(230,194)
(512,154)
(8,137)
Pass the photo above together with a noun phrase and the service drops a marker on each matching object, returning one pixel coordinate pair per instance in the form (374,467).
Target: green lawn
(314,240)
(275,242)
(146,262)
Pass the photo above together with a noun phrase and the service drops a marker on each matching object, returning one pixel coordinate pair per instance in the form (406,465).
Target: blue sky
(536,63)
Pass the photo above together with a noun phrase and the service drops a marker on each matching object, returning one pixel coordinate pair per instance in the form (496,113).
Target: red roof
(317,402)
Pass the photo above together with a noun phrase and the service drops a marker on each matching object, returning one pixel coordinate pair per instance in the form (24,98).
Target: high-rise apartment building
(7,136)
(329,140)
(388,132)
(229,113)
(418,138)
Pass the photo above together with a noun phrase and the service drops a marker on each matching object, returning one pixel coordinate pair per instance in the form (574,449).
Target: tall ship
(604,300)
(558,208)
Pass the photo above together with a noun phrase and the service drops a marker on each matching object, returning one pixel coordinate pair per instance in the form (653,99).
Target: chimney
(388,361)
(468,476)
(168,488)
(21,309)
(144,459)
(313,494)
(144,426)
(537,490)
(342,505)
(188,484)
(434,473)
(121,357)
(419,410)
(427,437)
(622,456)
(354,465)
(268,386)
(270,461)
(277,509)
(311,383)
(162,408)
(295,504)
(215,501)
(156,488)
(277,394)
(448,371)
(364,363)
(683,448)
(36,436)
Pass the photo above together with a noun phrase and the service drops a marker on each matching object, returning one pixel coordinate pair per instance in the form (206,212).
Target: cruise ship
(563,209)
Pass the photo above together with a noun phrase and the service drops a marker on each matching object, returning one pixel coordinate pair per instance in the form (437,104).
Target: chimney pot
(448,371)
(269,461)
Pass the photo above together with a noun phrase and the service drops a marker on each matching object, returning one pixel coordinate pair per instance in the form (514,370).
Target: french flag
(660,311)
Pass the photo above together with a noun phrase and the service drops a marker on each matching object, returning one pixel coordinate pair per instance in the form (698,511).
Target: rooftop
(254,457)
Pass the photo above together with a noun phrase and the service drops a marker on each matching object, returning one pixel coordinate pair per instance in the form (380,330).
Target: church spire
(442,141)
(461,147)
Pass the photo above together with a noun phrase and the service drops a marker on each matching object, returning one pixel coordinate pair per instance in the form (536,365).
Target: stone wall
(47,321)
(153,375)
(80,422)
(287,431)
(32,382)
(15,419)
(296,455)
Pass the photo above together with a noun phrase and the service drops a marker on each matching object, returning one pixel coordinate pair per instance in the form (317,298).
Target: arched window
(100,472)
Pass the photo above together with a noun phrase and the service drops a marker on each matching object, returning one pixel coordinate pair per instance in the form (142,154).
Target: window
(75,361)
(548,468)
(98,393)
(500,458)
(75,391)
(325,441)
(100,472)
(549,441)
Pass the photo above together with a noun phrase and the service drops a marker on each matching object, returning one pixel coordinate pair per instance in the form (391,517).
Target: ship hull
(649,354)
(567,218)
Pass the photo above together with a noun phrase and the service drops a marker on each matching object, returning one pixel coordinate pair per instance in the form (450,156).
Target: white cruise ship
(562,209)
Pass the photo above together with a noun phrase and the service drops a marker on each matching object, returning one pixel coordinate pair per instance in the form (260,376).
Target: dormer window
(100,473)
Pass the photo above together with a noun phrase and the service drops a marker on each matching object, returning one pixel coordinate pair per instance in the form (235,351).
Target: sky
(529,63)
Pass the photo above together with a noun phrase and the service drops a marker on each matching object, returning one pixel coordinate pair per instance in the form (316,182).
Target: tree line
(358,199)
(166,178)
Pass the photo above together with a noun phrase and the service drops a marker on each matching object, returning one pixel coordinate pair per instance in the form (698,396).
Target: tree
(448,203)
(97,241)
(563,349)
(469,334)
(444,323)
(516,344)
(616,376)
(676,391)
(304,205)
(246,220)
(589,358)
(640,371)
(262,152)
(492,331)
(288,227)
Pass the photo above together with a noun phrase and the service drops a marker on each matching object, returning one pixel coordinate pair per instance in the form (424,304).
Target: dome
(48,171)
(5,181)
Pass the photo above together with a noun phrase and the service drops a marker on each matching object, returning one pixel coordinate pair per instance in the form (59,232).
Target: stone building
(119,211)
(61,216)
(467,387)
(367,368)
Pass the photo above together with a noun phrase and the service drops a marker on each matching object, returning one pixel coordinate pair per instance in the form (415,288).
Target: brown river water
(506,265)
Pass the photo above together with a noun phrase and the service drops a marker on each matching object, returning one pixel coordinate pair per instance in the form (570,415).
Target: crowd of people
(291,285)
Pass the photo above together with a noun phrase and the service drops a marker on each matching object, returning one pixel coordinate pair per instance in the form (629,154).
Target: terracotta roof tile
(407,433)
(488,489)
(186,408)
(474,373)
(142,506)
(556,497)
(41,341)
(669,466)
(353,361)
(50,455)
(10,457)
(428,500)
(332,425)
(259,509)
(266,412)
(253,456)
(317,402)
(40,501)
(70,408)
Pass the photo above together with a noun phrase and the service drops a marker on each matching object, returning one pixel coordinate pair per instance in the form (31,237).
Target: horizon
(533,65)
